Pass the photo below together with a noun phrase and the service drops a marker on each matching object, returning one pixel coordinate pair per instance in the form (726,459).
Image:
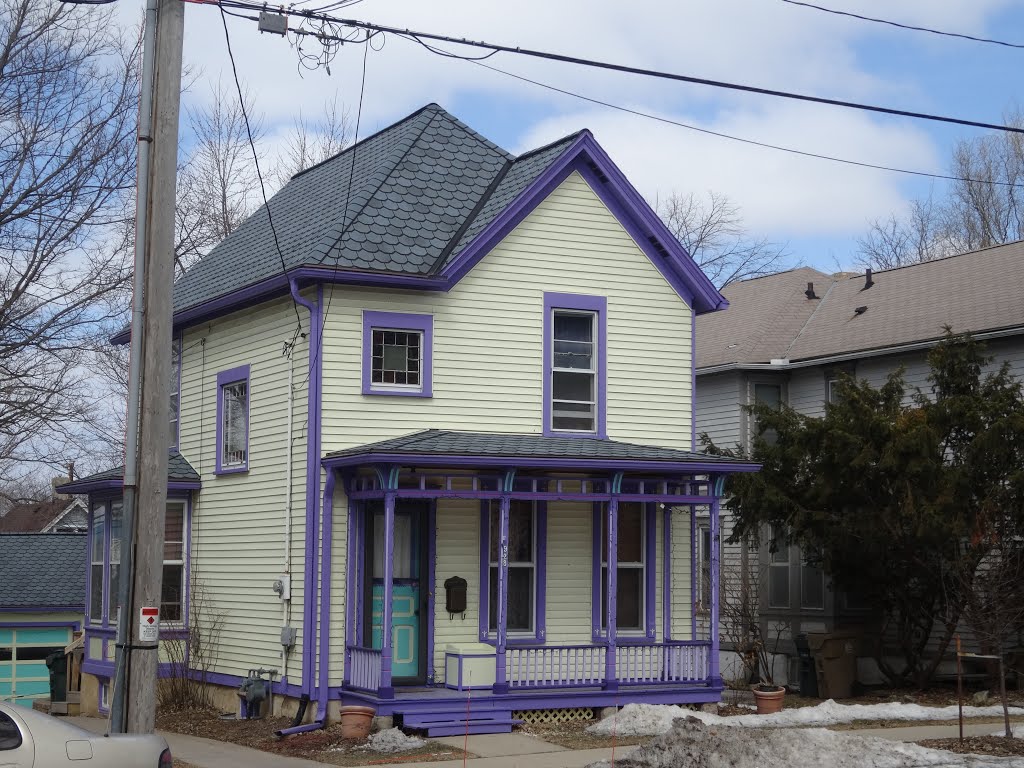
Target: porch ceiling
(436,447)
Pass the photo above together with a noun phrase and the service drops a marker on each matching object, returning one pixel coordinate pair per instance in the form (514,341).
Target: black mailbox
(455,595)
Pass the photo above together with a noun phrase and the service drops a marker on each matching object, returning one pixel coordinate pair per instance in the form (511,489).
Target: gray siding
(718,411)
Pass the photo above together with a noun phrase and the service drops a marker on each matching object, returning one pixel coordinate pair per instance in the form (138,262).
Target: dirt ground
(979,745)
(325,745)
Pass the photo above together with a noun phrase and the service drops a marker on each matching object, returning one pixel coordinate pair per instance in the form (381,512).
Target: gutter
(915,346)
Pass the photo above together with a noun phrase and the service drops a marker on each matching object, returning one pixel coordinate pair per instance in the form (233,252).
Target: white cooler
(469,666)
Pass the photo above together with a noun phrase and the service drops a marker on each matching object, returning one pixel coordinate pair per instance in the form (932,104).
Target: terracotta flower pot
(356,721)
(768,701)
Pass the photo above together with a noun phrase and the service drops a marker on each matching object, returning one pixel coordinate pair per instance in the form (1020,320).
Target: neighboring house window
(771,396)
(172,594)
(97,557)
(522,566)
(812,586)
(397,354)
(832,386)
(778,569)
(113,599)
(175,402)
(574,364)
(233,420)
(632,574)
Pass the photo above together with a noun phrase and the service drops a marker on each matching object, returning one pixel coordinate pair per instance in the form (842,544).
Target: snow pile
(1016,729)
(391,740)
(692,744)
(656,719)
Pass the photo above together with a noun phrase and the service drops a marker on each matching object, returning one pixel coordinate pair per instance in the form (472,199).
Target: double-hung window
(631,573)
(521,616)
(397,352)
(769,395)
(704,563)
(574,365)
(778,568)
(172,595)
(233,420)
(113,581)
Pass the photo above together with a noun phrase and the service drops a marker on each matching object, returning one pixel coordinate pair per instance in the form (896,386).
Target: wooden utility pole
(146,520)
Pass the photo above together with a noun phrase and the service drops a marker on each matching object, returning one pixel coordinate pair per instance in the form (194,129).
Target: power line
(496,48)
(904,26)
(255,158)
(742,140)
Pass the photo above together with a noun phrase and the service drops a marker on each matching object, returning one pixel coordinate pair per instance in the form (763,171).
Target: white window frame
(98,524)
(492,532)
(592,371)
(703,553)
(640,631)
(232,457)
(178,562)
(832,391)
(384,386)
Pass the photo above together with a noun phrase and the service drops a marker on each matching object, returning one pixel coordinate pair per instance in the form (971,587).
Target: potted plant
(768,696)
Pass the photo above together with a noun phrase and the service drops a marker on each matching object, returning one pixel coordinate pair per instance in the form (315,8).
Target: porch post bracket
(718,482)
(508,481)
(387,476)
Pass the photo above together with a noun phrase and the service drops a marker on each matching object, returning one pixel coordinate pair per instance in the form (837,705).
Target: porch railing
(584,665)
(364,668)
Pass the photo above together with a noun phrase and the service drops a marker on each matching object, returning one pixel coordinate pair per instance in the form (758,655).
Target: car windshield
(10,736)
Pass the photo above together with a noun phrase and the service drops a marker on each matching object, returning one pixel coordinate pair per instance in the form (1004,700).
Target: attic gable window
(574,365)
(233,421)
(397,352)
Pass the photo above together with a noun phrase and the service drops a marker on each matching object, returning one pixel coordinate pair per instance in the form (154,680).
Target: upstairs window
(233,420)
(771,396)
(574,362)
(97,549)
(397,351)
(778,568)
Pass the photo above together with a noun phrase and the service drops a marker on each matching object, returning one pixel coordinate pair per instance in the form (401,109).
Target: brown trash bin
(835,659)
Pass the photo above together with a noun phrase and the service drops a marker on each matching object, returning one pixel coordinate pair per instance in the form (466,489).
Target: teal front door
(408,603)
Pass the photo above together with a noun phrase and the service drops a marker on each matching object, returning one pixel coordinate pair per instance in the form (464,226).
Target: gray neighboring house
(788,337)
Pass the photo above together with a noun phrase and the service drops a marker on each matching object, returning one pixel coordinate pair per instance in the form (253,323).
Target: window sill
(548,432)
(515,641)
(631,639)
(399,392)
(231,470)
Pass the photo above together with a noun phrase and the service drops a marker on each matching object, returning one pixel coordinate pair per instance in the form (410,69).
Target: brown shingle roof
(33,516)
(770,318)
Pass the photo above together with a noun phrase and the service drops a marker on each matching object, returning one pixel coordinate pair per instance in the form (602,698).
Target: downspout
(312,487)
(286,605)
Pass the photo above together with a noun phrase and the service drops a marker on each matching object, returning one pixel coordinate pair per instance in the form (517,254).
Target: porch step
(454,724)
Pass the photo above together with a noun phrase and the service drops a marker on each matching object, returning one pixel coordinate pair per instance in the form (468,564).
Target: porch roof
(180,477)
(437,447)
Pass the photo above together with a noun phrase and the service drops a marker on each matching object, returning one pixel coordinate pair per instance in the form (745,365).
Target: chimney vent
(860,310)
(868,280)
(809,293)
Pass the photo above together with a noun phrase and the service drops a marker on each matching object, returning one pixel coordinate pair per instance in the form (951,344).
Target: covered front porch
(588,564)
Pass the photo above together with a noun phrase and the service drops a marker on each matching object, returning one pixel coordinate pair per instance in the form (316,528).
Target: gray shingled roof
(439,442)
(417,194)
(42,570)
(178,470)
(770,318)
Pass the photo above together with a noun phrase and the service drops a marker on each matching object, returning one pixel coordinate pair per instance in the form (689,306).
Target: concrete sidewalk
(499,750)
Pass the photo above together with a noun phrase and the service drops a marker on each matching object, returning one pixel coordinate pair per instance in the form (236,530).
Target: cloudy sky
(817,208)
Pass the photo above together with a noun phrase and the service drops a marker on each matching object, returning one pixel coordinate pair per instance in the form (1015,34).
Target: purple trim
(386,688)
(460,684)
(75,626)
(399,321)
(43,609)
(485,571)
(595,573)
(610,675)
(650,571)
(350,586)
(598,305)
(326,545)
(666,575)
(360,573)
(310,563)
(431,586)
(693,380)
(444,460)
(117,484)
(224,378)
(540,619)
(694,584)
(713,661)
(500,681)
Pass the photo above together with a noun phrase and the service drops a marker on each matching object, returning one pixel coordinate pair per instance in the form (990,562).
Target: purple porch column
(695,585)
(714,677)
(611,680)
(500,676)
(386,690)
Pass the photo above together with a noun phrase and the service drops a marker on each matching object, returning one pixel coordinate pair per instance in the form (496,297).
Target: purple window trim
(647,634)
(693,380)
(540,572)
(224,378)
(580,302)
(400,321)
